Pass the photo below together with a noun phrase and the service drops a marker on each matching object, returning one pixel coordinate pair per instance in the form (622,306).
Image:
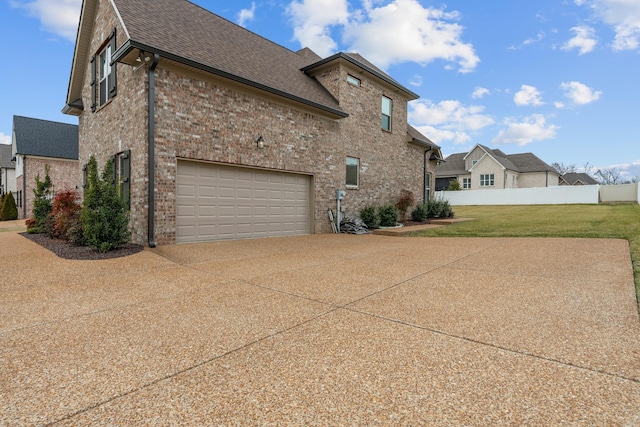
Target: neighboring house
(574,178)
(7,171)
(37,143)
(484,168)
(218,133)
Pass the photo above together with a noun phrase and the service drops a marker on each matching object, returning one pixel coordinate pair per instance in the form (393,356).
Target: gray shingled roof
(37,137)
(453,165)
(524,162)
(415,135)
(186,33)
(572,177)
(5,157)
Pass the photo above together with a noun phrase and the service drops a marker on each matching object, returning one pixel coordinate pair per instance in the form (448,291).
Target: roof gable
(5,157)
(35,137)
(188,34)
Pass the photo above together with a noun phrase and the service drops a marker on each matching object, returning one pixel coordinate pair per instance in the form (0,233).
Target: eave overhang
(317,66)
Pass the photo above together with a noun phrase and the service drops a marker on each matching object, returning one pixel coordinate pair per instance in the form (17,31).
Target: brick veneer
(64,175)
(202,117)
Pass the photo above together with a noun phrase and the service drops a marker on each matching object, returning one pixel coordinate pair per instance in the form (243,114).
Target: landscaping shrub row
(388,215)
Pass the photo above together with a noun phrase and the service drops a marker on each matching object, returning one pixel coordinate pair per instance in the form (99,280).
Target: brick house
(484,168)
(236,136)
(7,171)
(35,144)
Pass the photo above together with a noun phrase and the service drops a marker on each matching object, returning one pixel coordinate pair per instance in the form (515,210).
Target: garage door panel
(218,202)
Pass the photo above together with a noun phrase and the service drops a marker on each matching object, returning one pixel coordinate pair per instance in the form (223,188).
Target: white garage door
(217,202)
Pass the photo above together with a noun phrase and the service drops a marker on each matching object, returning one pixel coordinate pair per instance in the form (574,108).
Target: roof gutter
(151,152)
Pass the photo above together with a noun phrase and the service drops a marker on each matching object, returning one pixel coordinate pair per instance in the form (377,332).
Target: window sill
(353,187)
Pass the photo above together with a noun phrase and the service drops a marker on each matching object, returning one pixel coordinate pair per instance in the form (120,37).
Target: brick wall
(64,175)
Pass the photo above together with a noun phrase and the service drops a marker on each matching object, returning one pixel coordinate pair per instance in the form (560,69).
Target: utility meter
(340,194)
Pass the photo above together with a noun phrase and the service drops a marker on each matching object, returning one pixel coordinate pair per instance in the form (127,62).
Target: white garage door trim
(224,202)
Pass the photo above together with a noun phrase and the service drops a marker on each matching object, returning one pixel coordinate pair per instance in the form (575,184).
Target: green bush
(42,201)
(9,210)
(419,213)
(388,215)
(369,215)
(454,185)
(105,221)
(1,201)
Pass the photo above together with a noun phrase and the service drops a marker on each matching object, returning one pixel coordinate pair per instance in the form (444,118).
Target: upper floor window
(386,113)
(103,73)
(353,80)
(487,180)
(353,171)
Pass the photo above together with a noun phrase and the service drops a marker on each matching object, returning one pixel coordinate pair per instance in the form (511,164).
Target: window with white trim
(487,180)
(466,183)
(353,172)
(386,113)
(103,73)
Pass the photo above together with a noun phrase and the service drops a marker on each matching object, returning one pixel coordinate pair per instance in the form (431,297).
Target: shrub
(65,213)
(388,215)
(42,201)
(454,186)
(9,210)
(419,214)
(1,201)
(370,217)
(405,201)
(104,216)
(447,211)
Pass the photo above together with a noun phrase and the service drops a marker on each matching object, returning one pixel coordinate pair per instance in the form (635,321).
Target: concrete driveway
(322,330)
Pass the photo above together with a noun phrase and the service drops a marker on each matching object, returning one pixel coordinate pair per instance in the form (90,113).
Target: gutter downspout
(151,152)
(24,187)
(424,177)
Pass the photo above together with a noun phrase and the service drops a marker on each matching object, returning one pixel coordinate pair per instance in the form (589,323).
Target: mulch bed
(66,250)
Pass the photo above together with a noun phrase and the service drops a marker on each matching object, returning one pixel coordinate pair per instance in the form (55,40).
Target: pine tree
(104,216)
(42,202)
(9,210)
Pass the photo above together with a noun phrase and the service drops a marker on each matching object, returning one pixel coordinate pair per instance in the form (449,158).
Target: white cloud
(394,32)
(584,40)
(57,16)
(448,120)
(5,139)
(246,15)
(312,21)
(580,94)
(528,95)
(480,92)
(539,37)
(531,129)
(416,80)
(623,16)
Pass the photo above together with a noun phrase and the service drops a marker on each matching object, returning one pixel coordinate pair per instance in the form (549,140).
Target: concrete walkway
(322,330)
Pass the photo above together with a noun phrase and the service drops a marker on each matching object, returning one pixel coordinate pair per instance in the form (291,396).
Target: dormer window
(353,80)
(103,73)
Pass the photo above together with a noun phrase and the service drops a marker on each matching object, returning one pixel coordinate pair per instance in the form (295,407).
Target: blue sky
(558,78)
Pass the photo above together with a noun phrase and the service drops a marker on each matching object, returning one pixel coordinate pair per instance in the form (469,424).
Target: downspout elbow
(151,152)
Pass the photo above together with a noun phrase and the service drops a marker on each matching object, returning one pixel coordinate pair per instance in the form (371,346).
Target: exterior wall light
(260,142)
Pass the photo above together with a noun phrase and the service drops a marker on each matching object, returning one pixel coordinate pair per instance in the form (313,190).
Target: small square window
(353,80)
(353,172)
(466,183)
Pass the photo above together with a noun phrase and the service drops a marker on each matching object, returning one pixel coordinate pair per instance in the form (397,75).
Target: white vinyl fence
(562,194)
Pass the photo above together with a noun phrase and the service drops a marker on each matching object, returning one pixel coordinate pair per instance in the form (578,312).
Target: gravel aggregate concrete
(322,330)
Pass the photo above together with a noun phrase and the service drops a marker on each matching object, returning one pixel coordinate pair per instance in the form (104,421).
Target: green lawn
(620,221)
